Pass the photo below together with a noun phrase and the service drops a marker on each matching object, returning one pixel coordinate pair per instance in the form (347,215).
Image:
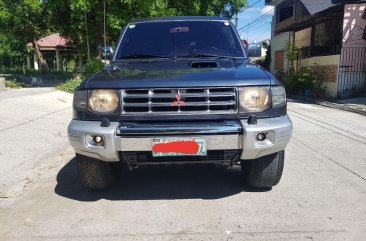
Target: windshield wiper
(202,55)
(146,56)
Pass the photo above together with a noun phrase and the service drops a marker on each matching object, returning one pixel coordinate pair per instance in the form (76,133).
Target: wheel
(97,174)
(265,171)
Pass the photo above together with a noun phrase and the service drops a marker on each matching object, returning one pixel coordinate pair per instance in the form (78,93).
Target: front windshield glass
(179,39)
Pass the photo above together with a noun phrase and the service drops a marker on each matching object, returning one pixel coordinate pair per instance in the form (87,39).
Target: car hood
(178,73)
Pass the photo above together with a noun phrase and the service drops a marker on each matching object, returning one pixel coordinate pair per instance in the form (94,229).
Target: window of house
(320,38)
(327,37)
(284,11)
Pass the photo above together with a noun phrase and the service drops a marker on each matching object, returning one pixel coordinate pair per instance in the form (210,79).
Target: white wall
(321,60)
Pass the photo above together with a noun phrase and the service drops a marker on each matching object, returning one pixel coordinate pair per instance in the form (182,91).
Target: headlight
(254,99)
(103,101)
(79,101)
(278,96)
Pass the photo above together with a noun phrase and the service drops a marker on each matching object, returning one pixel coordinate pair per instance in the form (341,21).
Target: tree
(291,52)
(24,21)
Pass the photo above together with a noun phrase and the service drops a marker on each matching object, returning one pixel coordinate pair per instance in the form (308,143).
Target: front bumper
(225,135)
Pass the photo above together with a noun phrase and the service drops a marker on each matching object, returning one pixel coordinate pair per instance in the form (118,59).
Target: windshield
(179,39)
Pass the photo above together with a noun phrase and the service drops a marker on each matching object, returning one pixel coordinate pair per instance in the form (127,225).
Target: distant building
(330,35)
(53,44)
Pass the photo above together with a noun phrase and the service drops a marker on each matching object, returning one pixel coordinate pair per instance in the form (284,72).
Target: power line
(256,23)
(257,20)
(251,6)
(259,36)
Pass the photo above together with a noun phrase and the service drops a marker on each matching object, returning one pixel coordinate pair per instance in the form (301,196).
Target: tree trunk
(42,62)
(99,38)
(87,36)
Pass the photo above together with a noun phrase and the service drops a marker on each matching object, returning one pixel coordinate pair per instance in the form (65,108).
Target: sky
(261,28)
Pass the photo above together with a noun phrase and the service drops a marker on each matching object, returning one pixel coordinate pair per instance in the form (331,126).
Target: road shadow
(158,183)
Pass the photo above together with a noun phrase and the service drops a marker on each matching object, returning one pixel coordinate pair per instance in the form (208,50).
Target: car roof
(182,18)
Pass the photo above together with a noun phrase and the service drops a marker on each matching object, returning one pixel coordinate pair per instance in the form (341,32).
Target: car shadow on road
(159,182)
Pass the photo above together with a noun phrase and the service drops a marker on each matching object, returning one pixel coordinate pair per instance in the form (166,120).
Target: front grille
(213,156)
(179,101)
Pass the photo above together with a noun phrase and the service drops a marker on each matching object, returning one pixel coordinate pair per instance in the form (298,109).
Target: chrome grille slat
(193,101)
(217,94)
(187,104)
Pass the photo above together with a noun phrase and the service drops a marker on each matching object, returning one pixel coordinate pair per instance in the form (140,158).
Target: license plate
(179,147)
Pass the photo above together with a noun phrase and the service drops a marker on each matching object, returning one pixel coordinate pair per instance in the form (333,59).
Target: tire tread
(95,174)
(265,171)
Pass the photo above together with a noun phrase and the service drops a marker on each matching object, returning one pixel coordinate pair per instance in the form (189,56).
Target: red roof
(54,41)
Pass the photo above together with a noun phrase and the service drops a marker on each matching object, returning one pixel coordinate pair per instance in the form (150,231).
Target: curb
(329,104)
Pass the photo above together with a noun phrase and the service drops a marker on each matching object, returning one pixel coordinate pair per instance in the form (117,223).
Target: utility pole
(236,21)
(87,38)
(105,39)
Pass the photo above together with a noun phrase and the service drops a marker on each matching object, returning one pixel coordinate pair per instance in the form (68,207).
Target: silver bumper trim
(228,135)
(223,127)
(278,131)
(79,131)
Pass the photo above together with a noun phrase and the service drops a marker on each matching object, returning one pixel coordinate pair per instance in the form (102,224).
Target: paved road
(32,128)
(320,197)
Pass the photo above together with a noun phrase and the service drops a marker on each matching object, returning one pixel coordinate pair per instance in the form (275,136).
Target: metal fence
(352,71)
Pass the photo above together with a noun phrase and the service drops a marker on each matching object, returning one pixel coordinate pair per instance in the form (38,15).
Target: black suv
(180,90)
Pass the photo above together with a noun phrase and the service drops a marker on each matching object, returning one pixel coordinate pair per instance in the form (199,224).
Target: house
(54,45)
(329,35)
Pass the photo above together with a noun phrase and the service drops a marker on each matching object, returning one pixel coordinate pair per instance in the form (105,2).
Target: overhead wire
(251,6)
(256,21)
(265,31)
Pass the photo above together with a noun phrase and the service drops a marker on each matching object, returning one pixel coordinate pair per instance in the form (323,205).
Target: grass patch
(93,66)
(70,85)
(13,84)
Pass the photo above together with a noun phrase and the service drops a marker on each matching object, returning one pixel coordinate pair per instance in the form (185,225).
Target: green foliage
(71,65)
(93,66)
(13,84)
(71,84)
(290,51)
(23,21)
(305,79)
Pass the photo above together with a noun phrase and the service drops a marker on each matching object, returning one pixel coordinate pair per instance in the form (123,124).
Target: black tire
(265,171)
(97,174)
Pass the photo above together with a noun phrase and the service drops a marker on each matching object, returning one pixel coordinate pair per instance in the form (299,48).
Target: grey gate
(352,71)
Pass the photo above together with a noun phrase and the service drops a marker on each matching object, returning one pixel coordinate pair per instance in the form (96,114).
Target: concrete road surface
(32,127)
(321,195)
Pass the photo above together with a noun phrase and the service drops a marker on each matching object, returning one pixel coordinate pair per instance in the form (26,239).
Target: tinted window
(178,39)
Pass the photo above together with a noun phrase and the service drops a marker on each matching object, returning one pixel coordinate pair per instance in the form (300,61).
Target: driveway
(321,195)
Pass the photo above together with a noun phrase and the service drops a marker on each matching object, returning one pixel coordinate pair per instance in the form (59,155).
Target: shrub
(307,79)
(93,66)
(13,84)
(71,85)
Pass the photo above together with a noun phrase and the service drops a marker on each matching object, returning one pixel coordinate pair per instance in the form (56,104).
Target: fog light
(261,136)
(98,140)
